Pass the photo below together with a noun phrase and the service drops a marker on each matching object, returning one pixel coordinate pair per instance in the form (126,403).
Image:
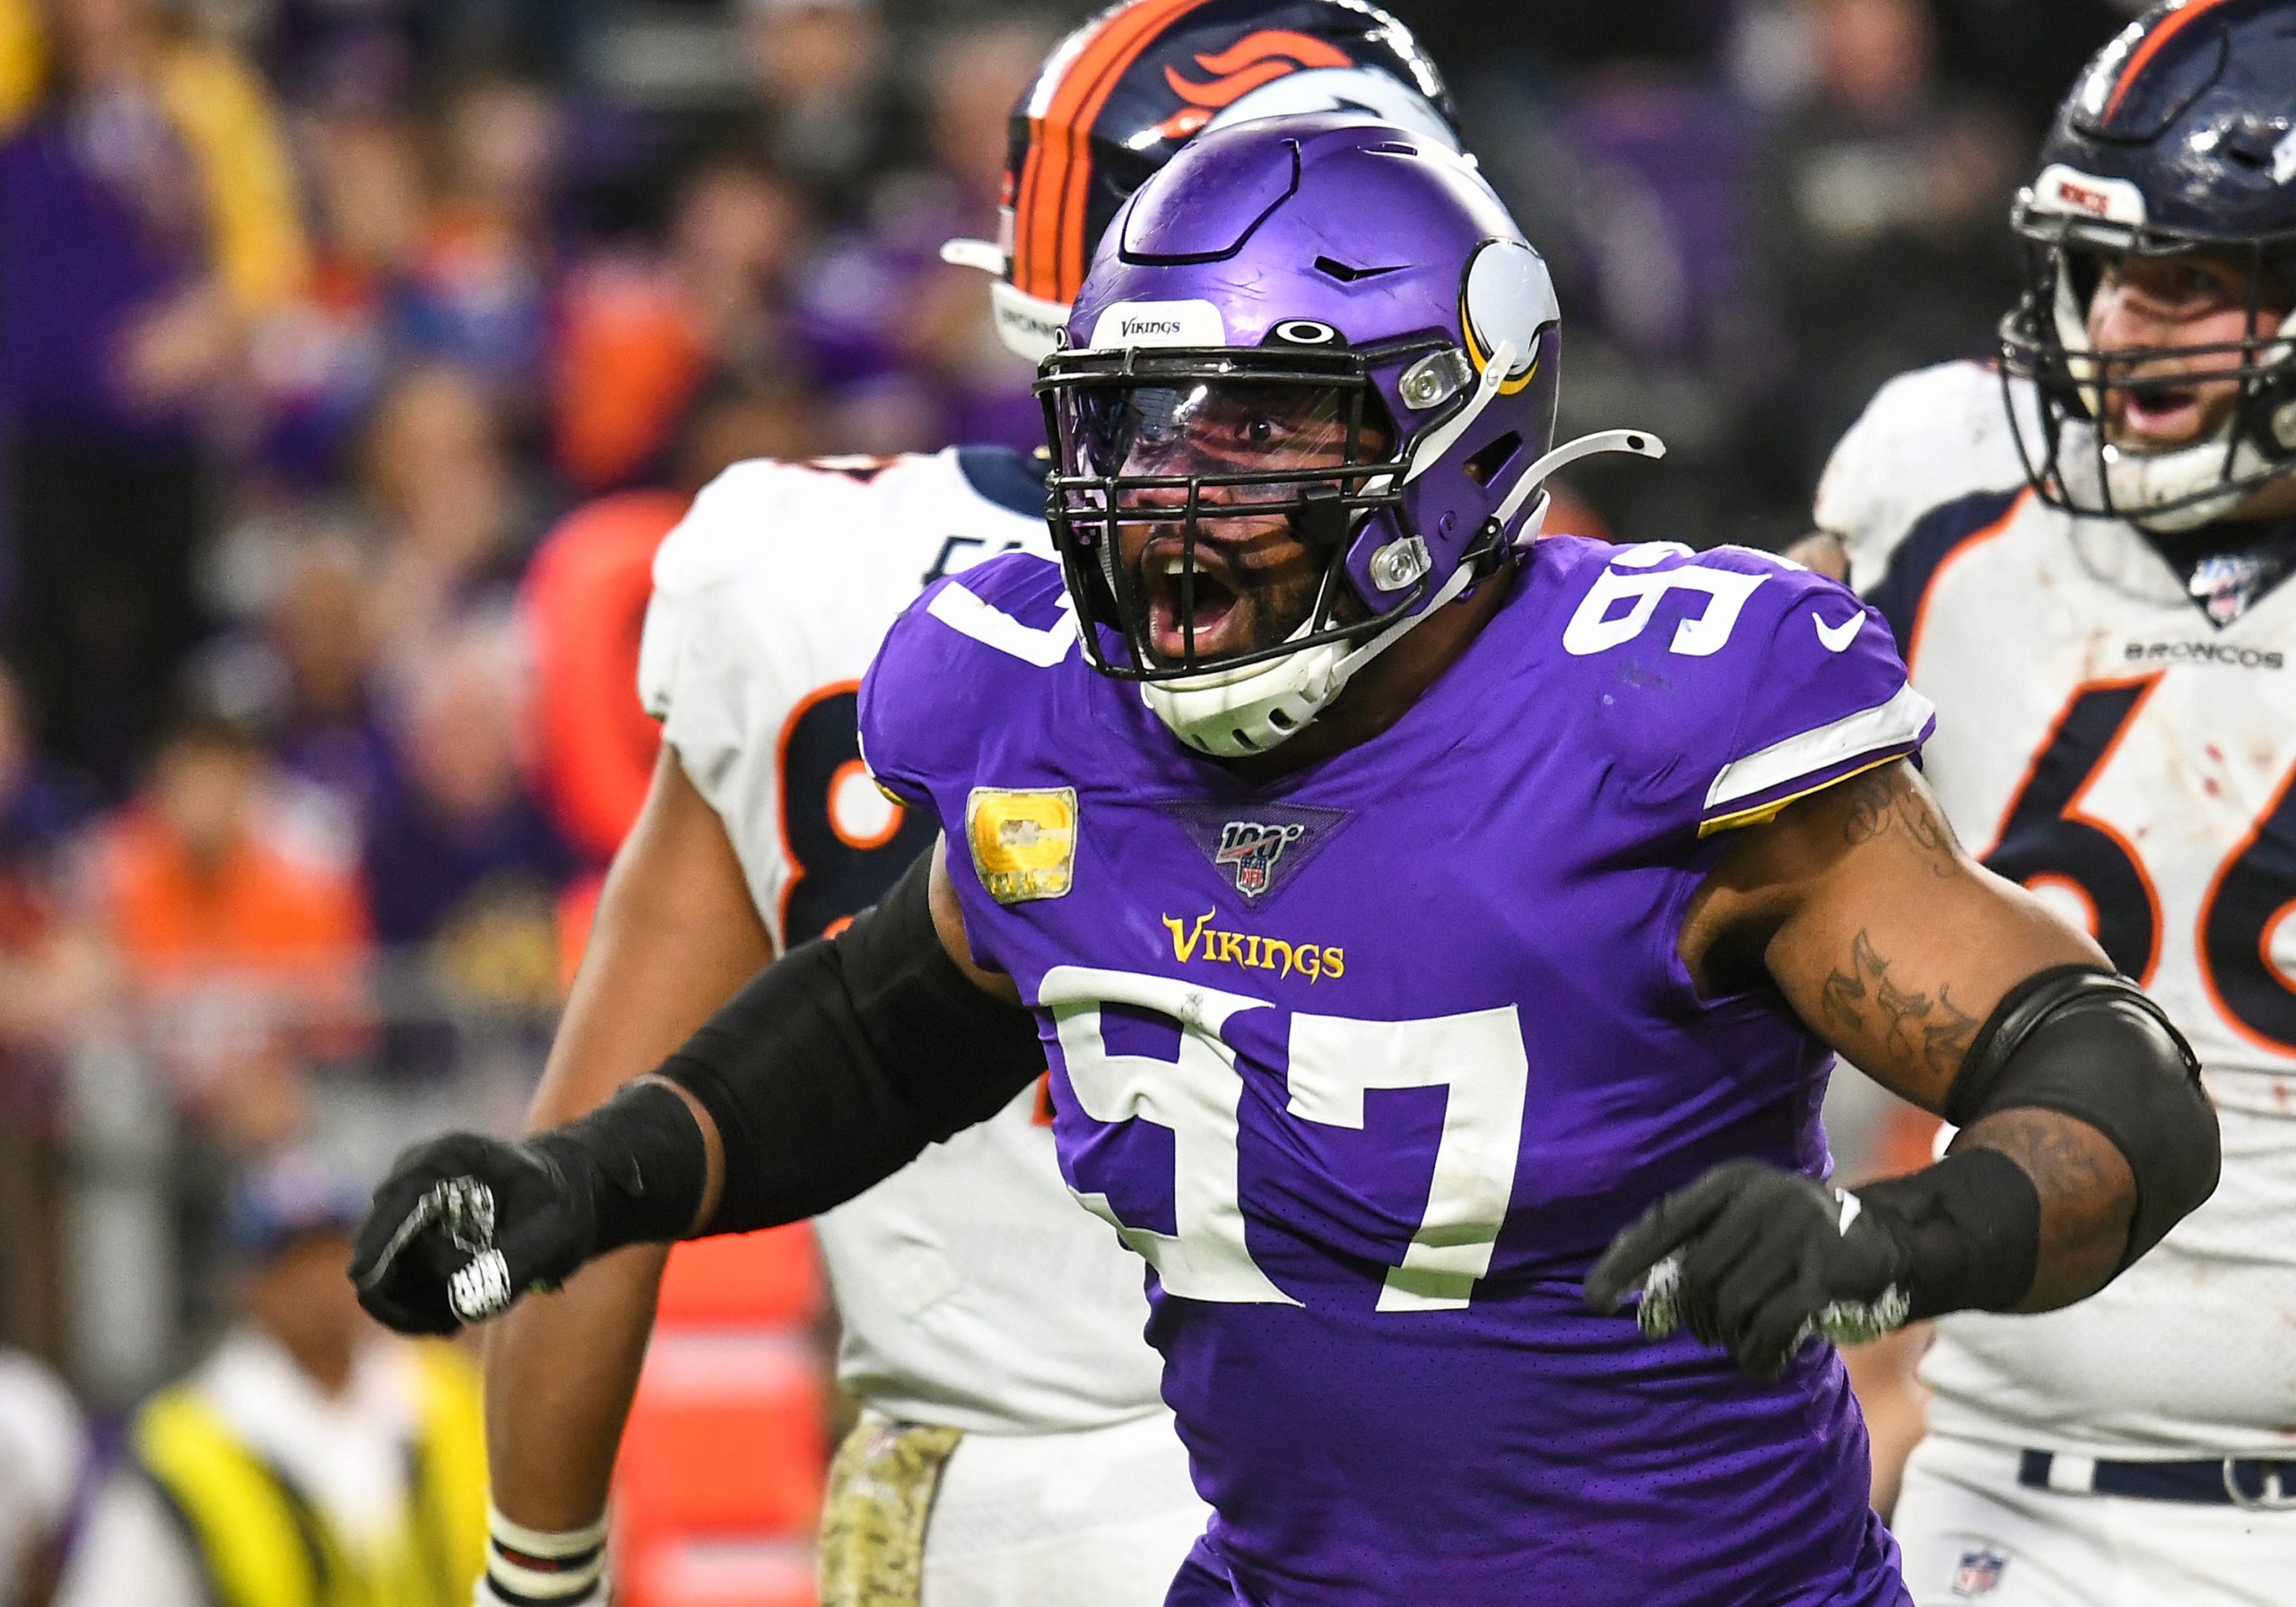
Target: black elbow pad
(845,1057)
(2090,1044)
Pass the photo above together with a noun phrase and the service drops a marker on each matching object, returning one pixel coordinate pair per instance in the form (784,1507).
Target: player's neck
(1389,684)
(2273,501)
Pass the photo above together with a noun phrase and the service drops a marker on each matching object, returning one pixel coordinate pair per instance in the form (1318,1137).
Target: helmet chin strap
(1640,442)
(1231,714)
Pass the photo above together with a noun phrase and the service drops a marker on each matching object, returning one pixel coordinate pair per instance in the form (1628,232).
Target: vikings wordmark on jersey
(1370,1063)
(2110,738)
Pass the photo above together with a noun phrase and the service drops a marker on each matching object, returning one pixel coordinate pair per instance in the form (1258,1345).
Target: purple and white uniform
(1370,1063)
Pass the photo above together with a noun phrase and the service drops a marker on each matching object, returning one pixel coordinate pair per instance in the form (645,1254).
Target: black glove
(465,1225)
(1758,1260)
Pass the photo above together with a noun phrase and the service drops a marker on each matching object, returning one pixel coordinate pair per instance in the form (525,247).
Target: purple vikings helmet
(1320,318)
(2179,137)
(1123,94)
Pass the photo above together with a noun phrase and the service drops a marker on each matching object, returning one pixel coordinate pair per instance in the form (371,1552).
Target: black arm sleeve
(2090,1044)
(840,1060)
(2074,1039)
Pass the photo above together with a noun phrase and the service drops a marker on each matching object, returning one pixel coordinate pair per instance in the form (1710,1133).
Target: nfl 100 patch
(1023,841)
(1257,845)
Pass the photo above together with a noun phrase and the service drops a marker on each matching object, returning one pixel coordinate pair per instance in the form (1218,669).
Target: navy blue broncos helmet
(2180,136)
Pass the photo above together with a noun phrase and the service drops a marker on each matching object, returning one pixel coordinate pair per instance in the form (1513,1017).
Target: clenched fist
(465,1225)
(1758,1260)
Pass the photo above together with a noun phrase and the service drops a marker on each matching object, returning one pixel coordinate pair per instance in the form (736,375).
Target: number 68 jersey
(2103,741)
(971,1292)
(1369,1063)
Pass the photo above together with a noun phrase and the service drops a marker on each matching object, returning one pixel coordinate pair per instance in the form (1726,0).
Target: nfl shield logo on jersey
(1248,850)
(1257,854)
(2225,583)
(1979,1573)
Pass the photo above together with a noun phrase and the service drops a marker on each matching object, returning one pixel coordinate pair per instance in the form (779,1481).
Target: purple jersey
(1370,1063)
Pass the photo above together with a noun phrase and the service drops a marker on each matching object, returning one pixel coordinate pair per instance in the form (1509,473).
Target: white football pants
(1100,1518)
(1970,1532)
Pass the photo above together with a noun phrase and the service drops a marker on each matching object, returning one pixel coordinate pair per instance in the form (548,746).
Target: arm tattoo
(1931,1032)
(2087,1197)
(1884,799)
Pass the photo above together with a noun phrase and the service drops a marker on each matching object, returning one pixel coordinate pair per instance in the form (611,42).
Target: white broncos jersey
(2102,741)
(973,1292)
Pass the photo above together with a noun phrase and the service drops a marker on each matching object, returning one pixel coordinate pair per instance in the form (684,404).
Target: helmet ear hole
(1486,465)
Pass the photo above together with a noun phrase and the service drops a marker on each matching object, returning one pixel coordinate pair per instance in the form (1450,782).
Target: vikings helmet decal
(1506,290)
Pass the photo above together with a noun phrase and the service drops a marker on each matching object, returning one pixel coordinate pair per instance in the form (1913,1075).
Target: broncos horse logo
(1256,59)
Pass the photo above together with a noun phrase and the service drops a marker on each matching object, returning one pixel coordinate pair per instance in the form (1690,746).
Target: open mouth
(1185,613)
(2162,415)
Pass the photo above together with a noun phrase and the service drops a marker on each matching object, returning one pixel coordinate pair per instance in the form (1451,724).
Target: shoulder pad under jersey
(973,650)
(1928,438)
(1724,685)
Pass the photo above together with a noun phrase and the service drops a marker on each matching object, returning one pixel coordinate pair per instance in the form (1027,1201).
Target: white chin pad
(1028,326)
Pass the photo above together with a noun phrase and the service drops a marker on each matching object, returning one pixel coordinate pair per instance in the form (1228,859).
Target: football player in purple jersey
(1010,1447)
(1436,934)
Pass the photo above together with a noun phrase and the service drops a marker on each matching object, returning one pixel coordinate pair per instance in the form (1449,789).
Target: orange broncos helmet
(1119,97)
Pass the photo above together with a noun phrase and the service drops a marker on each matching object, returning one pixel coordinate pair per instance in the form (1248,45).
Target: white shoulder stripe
(1890,725)
(1042,646)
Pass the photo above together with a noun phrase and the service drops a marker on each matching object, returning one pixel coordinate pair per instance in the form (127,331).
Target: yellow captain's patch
(1023,840)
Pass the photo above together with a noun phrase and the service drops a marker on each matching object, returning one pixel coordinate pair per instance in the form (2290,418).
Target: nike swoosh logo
(1839,637)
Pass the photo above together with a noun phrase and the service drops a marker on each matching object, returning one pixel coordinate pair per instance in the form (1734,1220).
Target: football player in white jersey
(2090,582)
(991,1329)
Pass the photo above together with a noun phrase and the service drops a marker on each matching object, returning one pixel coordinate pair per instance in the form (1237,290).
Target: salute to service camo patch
(881,1490)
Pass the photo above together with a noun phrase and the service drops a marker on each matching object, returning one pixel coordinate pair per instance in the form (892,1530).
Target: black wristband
(1972,1225)
(642,1154)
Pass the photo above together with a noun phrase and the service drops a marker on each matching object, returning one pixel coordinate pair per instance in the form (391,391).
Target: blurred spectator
(309,1460)
(43,1456)
(906,358)
(324,727)
(483,268)
(229,938)
(1881,211)
(977,76)
(463,869)
(51,977)
(148,219)
(321,360)
(833,118)
(453,520)
(582,605)
(641,337)
(303,676)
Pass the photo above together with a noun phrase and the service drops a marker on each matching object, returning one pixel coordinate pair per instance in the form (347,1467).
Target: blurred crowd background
(352,353)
